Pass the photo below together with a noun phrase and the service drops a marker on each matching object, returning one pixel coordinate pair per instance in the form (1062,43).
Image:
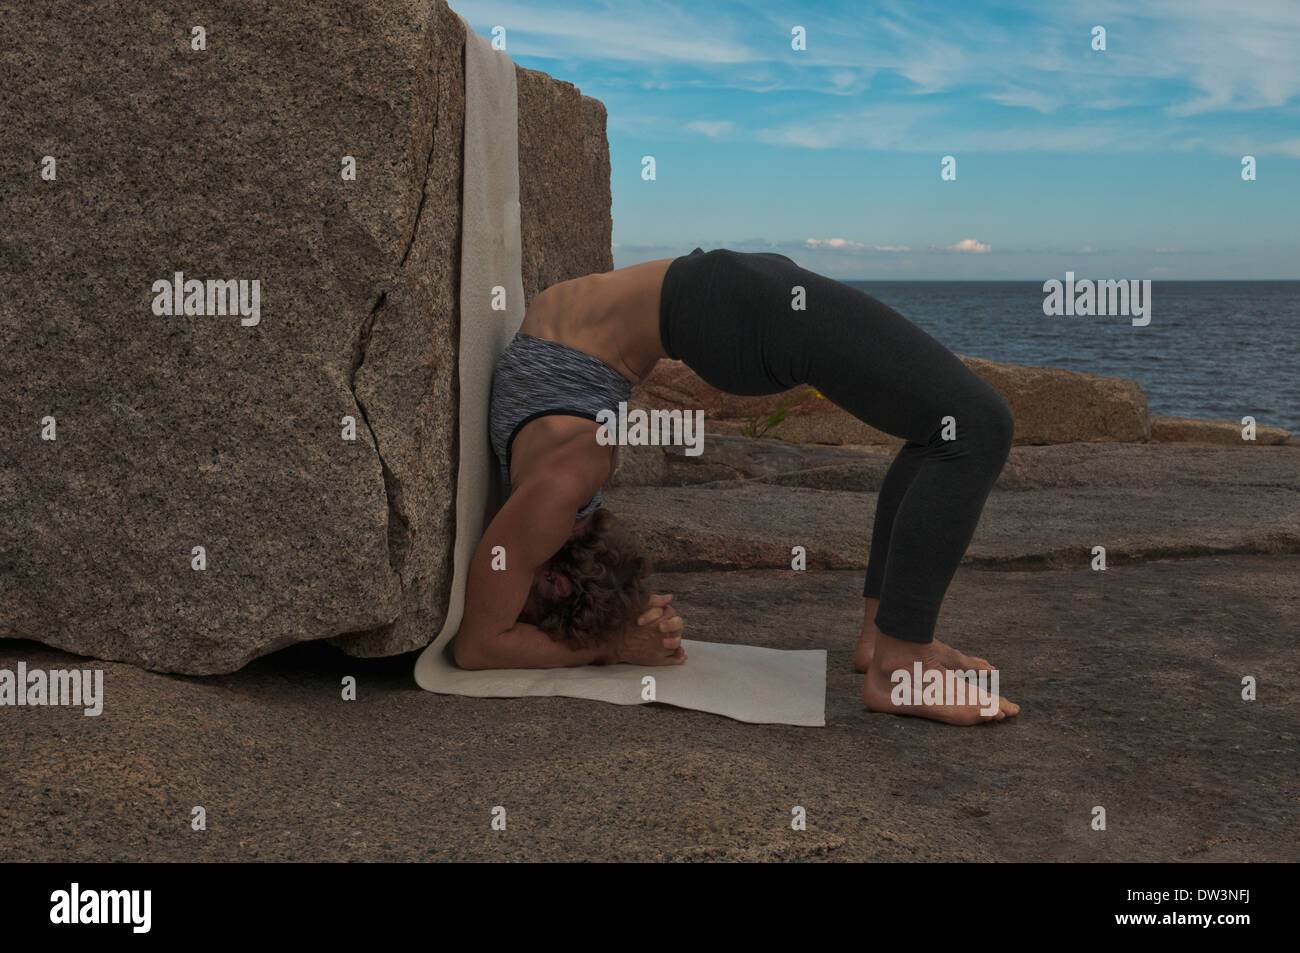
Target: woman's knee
(994,428)
(982,424)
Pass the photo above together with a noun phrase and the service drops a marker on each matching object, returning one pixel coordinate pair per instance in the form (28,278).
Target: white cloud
(970,245)
(713,130)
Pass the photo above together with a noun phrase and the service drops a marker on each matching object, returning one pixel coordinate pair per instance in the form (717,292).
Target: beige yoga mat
(765,686)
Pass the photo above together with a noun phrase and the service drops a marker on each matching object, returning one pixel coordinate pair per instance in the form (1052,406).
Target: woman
(570,586)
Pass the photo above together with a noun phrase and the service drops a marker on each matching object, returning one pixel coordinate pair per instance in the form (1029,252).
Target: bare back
(613,315)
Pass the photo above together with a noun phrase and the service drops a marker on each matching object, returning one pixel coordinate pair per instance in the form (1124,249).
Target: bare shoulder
(561,461)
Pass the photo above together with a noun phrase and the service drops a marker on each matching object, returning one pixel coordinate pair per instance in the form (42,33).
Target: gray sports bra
(535,377)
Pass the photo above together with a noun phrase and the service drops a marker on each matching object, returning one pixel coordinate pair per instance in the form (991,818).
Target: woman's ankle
(890,651)
(869,609)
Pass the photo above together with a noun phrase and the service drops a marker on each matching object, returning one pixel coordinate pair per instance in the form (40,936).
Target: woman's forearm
(524,646)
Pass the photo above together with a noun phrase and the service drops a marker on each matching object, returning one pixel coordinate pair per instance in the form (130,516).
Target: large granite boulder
(1053,405)
(1050,405)
(209,430)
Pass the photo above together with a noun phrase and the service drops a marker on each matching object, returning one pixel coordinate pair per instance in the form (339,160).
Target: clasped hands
(653,638)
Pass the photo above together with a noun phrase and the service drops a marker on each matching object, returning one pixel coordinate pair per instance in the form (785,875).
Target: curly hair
(609,585)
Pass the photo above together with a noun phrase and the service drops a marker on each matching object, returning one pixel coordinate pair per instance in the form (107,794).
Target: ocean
(1220,349)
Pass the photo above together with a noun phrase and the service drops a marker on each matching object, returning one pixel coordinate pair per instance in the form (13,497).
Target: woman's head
(591,587)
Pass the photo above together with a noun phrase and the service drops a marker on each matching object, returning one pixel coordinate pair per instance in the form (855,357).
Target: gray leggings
(728,315)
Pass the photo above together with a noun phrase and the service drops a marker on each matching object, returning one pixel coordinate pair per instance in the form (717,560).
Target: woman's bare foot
(892,655)
(945,654)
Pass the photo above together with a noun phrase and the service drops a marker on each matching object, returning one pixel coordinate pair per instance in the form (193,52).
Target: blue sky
(1122,163)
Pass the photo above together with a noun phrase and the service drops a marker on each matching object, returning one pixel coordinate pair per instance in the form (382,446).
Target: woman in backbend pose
(574,590)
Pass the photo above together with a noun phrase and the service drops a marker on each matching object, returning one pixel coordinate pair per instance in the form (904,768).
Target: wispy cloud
(1035,99)
(1166,61)
(844,244)
(714,130)
(631,31)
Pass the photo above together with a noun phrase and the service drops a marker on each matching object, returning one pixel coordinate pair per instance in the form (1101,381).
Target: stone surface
(176,432)
(779,461)
(1129,682)
(1200,430)
(1051,505)
(640,466)
(1050,405)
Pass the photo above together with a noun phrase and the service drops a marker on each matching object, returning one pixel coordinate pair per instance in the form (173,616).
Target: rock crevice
(398,525)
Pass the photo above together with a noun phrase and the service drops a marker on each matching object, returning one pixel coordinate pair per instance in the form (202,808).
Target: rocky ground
(1130,682)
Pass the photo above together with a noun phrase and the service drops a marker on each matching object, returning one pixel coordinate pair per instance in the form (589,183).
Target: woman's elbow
(468,653)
